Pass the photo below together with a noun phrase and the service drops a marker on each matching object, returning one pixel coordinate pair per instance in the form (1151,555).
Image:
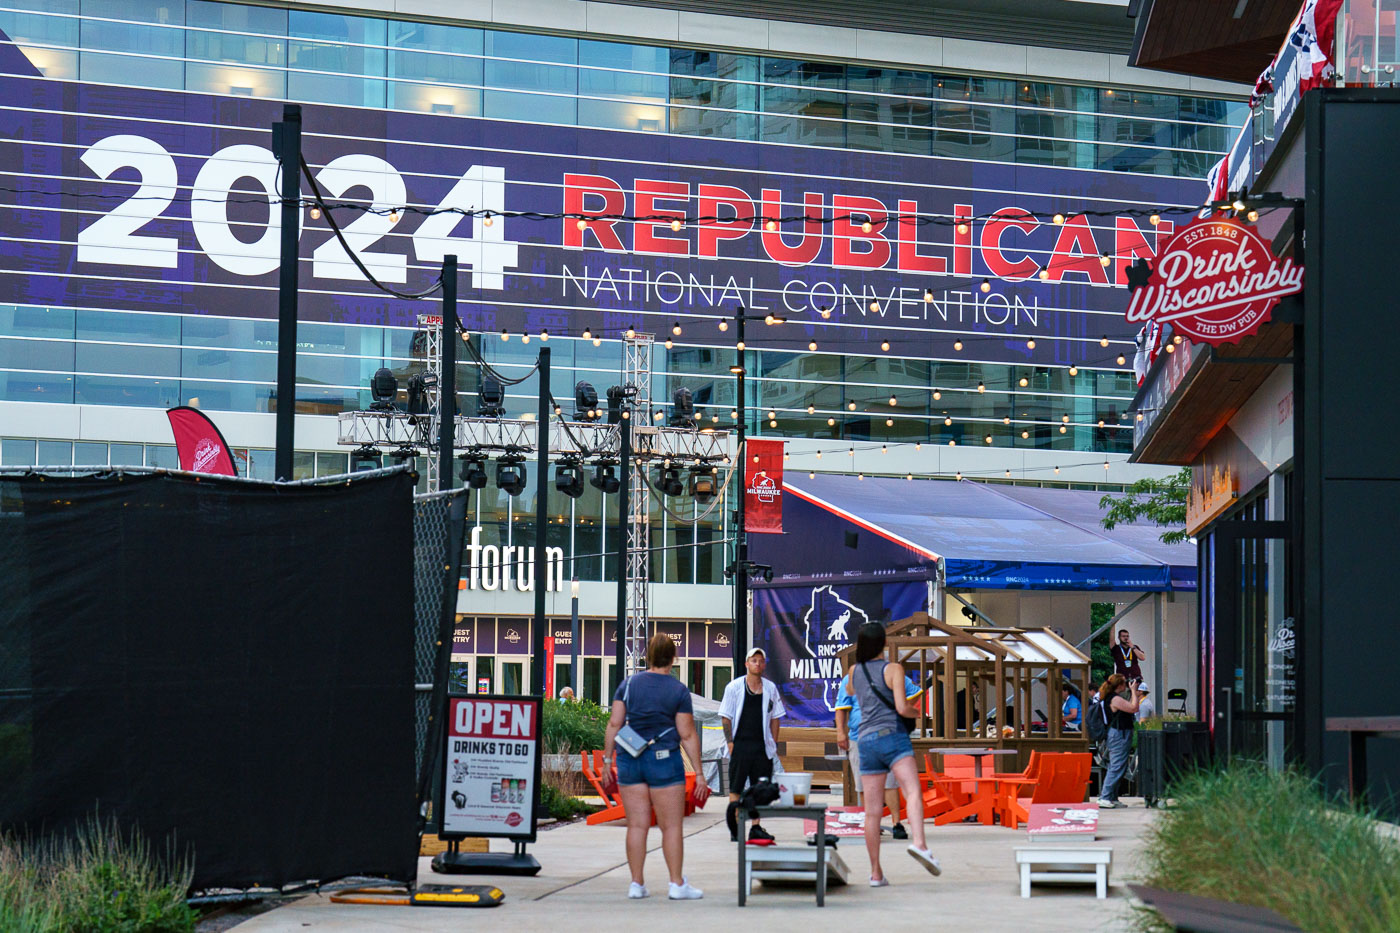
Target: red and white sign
(763,487)
(491,782)
(548,666)
(1064,821)
(199,443)
(1215,281)
(840,821)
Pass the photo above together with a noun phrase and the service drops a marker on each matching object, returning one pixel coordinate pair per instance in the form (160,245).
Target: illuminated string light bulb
(669,343)
(957,344)
(825,312)
(1103,341)
(544,334)
(884,449)
(1058,219)
(811,475)
(874,307)
(581,224)
(811,409)
(505,335)
(909,476)
(597,341)
(918,446)
(937,395)
(889,422)
(962,229)
(394,216)
(851,406)
(1024,382)
(1105,259)
(986,286)
(1105,464)
(587,334)
(723,325)
(772,414)
(1154,219)
(850,452)
(830,423)
(1064,430)
(1171,348)
(772,424)
(1122,359)
(1045,275)
(1176,339)
(1057,471)
(786,455)
(488,221)
(958,475)
(1252,216)
(1065,418)
(739,346)
(631,333)
(1139,416)
(819,455)
(1008,472)
(928,296)
(1100,422)
(1005,419)
(770,320)
(524,338)
(885,345)
(866,227)
(860,476)
(676,328)
(771,225)
(1025,434)
(315,212)
(1074,370)
(658,416)
(947,422)
(733,415)
(714,419)
(987,439)
(981,387)
(893,401)
(812,345)
(1030,344)
(952,443)
(675,226)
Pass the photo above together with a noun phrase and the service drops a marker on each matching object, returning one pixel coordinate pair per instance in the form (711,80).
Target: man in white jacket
(749,712)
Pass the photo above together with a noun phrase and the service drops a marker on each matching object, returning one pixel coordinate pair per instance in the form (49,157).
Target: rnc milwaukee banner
(804,627)
(763,487)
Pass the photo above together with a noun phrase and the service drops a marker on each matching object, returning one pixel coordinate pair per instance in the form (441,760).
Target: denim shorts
(878,752)
(655,767)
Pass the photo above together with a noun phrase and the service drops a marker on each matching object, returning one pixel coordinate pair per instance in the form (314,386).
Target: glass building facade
(144,358)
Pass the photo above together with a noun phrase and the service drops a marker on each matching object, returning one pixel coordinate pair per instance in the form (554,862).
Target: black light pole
(573,639)
(541,518)
(447,379)
(287,140)
(623,493)
(739,641)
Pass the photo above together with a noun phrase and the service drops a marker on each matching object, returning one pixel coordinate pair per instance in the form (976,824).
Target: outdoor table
(1359,729)
(813,812)
(983,802)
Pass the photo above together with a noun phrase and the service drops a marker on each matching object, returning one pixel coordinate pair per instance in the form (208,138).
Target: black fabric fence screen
(227,663)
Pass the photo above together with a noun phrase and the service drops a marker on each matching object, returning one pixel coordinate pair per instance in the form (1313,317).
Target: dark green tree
(1161,501)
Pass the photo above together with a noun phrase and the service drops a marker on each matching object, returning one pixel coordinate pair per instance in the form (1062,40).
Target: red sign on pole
(548,666)
(1215,281)
(763,487)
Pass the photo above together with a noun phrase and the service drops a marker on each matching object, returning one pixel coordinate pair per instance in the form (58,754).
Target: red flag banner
(763,487)
(548,667)
(201,447)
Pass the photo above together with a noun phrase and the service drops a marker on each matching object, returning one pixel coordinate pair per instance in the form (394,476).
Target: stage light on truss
(402,454)
(473,472)
(383,387)
(568,479)
(585,401)
(670,482)
(682,408)
(511,475)
(605,479)
(365,457)
(491,398)
(702,483)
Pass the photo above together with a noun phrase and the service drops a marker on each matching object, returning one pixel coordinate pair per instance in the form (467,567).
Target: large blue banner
(803,627)
(159,200)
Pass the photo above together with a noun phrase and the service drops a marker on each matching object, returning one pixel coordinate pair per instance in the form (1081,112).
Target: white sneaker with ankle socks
(879,882)
(925,858)
(685,891)
(637,891)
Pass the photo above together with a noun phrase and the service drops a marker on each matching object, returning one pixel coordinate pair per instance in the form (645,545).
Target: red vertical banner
(201,447)
(763,487)
(548,666)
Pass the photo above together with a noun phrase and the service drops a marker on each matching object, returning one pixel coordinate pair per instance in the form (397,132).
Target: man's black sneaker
(758,836)
(733,837)
(900,832)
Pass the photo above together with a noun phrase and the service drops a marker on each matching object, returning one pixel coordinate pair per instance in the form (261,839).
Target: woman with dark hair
(885,747)
(1121,714)
(657,707)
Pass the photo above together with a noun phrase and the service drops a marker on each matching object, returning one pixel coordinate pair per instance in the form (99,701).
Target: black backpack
(1096,720)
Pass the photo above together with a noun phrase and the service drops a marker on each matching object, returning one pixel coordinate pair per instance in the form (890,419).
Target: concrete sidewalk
(583,887)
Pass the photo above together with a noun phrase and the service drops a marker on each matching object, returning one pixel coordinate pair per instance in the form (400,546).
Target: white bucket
(794,789)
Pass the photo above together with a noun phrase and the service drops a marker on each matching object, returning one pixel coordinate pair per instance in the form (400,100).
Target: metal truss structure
(578,440)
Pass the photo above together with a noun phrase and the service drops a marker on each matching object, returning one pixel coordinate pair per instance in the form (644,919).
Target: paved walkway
(583,886)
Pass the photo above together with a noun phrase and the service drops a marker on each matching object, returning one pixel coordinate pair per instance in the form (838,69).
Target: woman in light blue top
(884,747)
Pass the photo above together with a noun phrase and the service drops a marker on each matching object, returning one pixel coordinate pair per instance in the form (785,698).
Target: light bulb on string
(1024,382)
(1065,418)
(1058,219)
(1252,216)
(928,296)
(884,449)
(394,216)
(1105,259)
(1008,472)
(1176,339)
(676,328)
(315,212)
(487,220)
(587,334)
(918,446)
(986,286)
(1100,422)
(505,334)
(1074,370)
(631,333)
(1171,348)
(772,414)
(866,227)
(830,423)
(1105,464)
(819,455)
(597,341)
(958,475)
(675,226)
(909,476)
(544,335)
(957,345)
(1154,219)
(1045,275)
(1122,359)
(1025,435)
(581,224)
(723,325)
(851,406)
(825,312)
(812,345)
(811,475)
(937,395)
(987,439)
(893,401)
(948,422)
(669,343)
(874,307)
(860,476)
(885,345)
(952,443)
(1139,416)
(1057,471)
(739,346)
(733,415)
(1064,430)
(1103,341)
(962,229)
(889,422)
(1005,419)
(851,452)
(981,387)
(771,225)
(811,409)
(1030,344)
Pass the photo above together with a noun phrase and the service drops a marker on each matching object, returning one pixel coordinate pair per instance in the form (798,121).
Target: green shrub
(560,805)
(573,727)
(1273,839)
(95,882)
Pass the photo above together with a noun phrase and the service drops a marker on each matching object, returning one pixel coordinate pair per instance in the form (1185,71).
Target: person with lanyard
(1120,711)
(749,713)
(848,727)
(1126,656)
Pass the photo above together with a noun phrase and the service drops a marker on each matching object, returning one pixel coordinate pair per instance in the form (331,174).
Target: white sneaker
(925,858)
(1107,804)
(638,891)
(879,882)
(685,892)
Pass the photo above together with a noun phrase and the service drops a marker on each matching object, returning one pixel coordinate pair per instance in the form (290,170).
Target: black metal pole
(573,640)
(541,565)
(740,639)
(623,493)
(287,137)
(447,379)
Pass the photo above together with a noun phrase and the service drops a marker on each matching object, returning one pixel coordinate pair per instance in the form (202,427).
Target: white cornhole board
(1077,863)
(792,865)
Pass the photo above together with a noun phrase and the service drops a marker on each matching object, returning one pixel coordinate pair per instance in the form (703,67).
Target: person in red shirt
(1126,657)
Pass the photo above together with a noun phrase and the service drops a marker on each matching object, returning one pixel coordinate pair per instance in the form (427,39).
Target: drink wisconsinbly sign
(1215,281)
(491,783)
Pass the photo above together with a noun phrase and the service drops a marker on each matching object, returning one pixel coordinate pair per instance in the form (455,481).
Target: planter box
(1166,754)
(561,762)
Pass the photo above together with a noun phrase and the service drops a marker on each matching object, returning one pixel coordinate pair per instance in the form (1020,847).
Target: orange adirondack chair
(1063,778)
(966,792)
(613,808)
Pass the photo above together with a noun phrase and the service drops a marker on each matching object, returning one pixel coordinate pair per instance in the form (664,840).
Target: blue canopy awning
(988,536)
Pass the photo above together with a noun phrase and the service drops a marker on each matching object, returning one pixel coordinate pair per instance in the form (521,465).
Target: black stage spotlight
(417,395)
(568,479)
(670,482)
(605,478)
(510,475)
(492,398)
(402,454)
(585,401)
(383,387)
(364,458)
(702,483)
(473,472)
(615,396)
(682,409)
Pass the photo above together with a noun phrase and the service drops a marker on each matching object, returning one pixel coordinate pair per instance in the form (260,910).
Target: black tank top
(1117,719)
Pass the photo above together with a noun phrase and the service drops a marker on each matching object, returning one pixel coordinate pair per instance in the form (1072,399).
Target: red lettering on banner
(1129,243)
(962,242)
(579,187)
(850,213)
(646,237)
(998,264)
(810,243)
(1076,251)
(712,197)
(907,257)
(763,486)
(493,719)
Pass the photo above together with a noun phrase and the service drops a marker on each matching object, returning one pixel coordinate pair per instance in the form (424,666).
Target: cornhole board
(792,865)
(1076,863)
(840,821)
(1061,823)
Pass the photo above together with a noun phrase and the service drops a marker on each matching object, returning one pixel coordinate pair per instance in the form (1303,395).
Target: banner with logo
(763,487)
(200,444)
(1214,282)
(491,782)
(803,627)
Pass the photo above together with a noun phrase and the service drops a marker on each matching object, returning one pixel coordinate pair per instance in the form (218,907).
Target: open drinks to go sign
(1215,281)
(491,782)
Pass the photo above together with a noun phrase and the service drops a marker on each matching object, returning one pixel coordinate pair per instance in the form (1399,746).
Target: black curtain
(226,663)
